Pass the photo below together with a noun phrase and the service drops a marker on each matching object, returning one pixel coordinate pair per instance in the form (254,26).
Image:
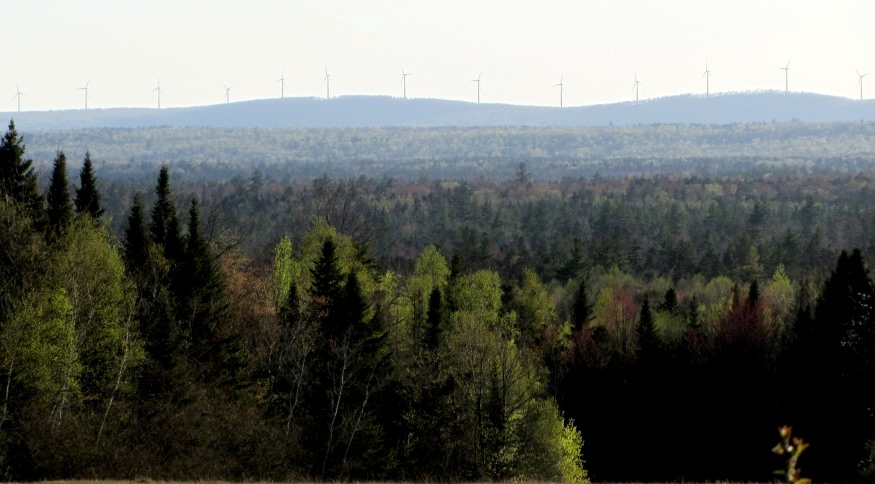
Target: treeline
(375,329)
(153,357)
(470,153)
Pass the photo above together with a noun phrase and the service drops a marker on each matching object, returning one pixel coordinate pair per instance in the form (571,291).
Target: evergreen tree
(60,209)
(87,198)
(165,222)
(200,287)
(647,341)
(670,301)
(137,238)
(582,307)
(753,294)
(326,287)
(17,178)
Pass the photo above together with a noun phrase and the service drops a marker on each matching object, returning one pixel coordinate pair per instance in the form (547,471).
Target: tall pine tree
(137,239)
(17,178)
(165,222)
(60,209)
(87,198)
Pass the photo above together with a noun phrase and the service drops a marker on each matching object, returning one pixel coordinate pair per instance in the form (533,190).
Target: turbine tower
(158,90)
(85,88)
(404,80)
(707,76)
(327,81)
(227,93)
(282,82)
(18,95)
(786,70)
(859,81)
(478,85)
(561,87)
(635,86)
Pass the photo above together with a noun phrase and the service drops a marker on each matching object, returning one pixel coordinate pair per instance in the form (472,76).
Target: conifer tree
(60,209)
(326,288)
(165,222)
(17,178)
(201,290)
(582,307)
(136,243)
(646,332)
(87,198)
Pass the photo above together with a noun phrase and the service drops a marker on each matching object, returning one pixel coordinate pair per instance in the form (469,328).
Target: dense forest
(457,153)
(622,328)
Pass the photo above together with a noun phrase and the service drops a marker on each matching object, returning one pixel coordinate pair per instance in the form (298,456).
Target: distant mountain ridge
(384,111)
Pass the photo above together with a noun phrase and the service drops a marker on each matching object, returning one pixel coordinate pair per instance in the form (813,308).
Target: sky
(520,49)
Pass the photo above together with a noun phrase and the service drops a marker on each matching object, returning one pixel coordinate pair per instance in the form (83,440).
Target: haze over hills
(384,111)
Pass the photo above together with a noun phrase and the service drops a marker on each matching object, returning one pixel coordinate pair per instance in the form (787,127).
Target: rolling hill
(383,111)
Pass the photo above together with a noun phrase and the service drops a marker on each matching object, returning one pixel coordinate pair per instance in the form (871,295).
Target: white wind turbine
(85,88)
(158,90)
(561,87)
(478,85)
(707,76)
(786,70)
(635,86)
(227,93)
(282,82)
(860,82)
(18,95)
(327,81)
(404,80)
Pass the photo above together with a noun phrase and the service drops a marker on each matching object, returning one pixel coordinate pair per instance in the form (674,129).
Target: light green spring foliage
(671,327)
(39,348)
(780,297)
(533,305)
(489,365)
(479,294)
(92,274)
(285,270)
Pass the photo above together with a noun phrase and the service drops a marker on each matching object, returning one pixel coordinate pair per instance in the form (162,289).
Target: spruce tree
(582,307)
(326,287)
(87,198)
(165,222)
(17,178)
(136,243)
(647,341)
(60,209)
(201,289)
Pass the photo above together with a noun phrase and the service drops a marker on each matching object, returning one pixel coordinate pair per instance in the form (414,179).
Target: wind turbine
(404,80)
(227,93)
(327,81)
(859,81)
(85,88)
(18,95)
(561,87)
(786,70)
(478,85)
(635,86)
(282,82)
(158,90)
(707,76)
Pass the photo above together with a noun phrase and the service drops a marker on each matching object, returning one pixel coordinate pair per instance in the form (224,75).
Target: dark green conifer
(60,208)
(201,289)
(165,222)
(582,307)
(17,178)
(326,287)
(136,243)
(87,198)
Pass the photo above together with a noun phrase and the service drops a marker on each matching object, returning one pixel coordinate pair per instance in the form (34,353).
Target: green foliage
(18,180)
(87,197)
(793,447)
(60,208)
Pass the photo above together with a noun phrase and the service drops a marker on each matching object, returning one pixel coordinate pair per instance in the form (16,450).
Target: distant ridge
(384,111)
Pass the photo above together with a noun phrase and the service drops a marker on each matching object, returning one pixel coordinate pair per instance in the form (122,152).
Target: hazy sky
(52,47)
